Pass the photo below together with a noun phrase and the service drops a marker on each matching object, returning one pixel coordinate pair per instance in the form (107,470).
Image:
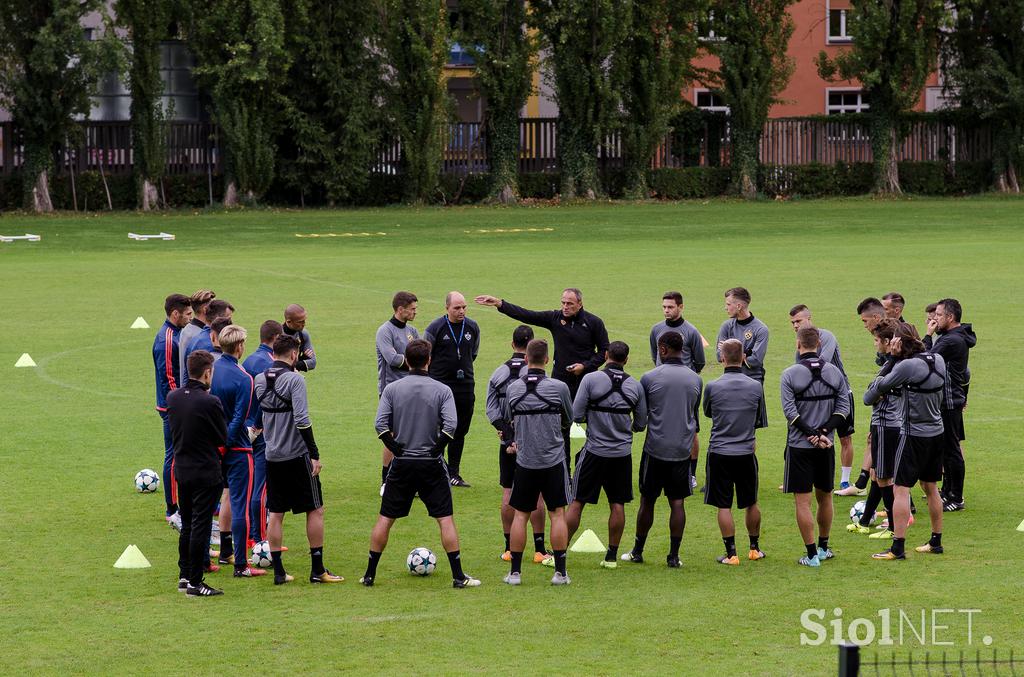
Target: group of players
(427,397)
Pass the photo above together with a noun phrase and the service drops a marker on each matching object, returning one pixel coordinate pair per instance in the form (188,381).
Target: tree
(651,67)
(49,69)
(984,65)
(895,48)
(415,44)
(582,36)
(241,62)
(333,109)
(495,32)
(147,23)
(751,40)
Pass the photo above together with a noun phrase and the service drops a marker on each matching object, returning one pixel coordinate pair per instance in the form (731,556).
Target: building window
(707,100)
(180,94)
(846,101)
(838,28)
(706,28)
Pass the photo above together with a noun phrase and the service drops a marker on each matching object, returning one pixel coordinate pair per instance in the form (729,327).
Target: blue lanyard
(458,341)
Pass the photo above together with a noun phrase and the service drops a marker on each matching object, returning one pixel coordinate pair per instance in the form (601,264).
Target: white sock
(846,474)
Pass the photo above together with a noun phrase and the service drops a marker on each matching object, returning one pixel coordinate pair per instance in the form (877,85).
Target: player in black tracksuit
(580,337)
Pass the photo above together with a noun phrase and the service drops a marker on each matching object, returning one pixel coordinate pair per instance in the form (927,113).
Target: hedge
(181,190)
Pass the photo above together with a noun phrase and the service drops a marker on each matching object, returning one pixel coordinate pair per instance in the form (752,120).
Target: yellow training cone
(588,542)
(577,433)
(139,323)
(132,558)
(25,361)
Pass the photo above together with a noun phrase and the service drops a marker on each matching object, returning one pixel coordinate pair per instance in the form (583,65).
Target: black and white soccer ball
(261,555)
(146,481)
(857,511)
(421,561)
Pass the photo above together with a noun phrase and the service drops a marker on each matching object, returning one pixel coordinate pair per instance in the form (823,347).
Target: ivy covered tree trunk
(37,174)
(745,162)
(503,146)
(577,155)
(884,147)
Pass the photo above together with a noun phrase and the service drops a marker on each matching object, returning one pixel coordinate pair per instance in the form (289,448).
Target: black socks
(862,479)
(225,545)
(517,562)
(673,548)
(560,561)
(275,557)
(454,559)
(887,500)
(754,545)
(936,540)
(871,504)
(730,546)
(897,546)
(371,565)
(507,546)
(812,550)
(638,544)
(613,552)
(317,557)
(823,542)
(538,542)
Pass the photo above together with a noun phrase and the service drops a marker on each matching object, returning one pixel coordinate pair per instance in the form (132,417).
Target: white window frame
(860,108)
(716,109)
(844,38)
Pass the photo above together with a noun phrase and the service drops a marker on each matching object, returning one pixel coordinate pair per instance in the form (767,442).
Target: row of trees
(305,91)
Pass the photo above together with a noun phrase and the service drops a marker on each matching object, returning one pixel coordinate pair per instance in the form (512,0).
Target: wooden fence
(193,148)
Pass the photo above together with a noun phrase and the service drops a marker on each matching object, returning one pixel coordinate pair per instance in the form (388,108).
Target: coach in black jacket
(199,434)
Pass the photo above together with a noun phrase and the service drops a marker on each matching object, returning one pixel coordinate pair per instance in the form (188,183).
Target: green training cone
(588,542)
(132,558)
(577,433)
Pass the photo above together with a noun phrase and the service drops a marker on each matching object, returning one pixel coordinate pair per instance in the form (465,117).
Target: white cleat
(514,579)
(560,579)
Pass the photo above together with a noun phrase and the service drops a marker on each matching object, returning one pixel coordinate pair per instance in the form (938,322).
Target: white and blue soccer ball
(421,561)
(261,555)
(146,481)
(857,511)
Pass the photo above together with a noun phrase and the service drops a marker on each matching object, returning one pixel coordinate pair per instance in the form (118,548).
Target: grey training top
(392,338)
(281,429)
(417,410)
(538,418)
(829,351)
(673,404)
(924,392)
(732,402)
(693,343)
(889,411)
(497,386)
(611,421)
(188,332)
(753,334)
(812,399)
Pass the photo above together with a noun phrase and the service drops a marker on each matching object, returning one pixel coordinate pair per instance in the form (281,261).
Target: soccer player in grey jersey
(692,354)
(613,405)
(497,389)
(800,317)
(815,401)
(538,411)
(200,301)
(922,375)
(732,402)
(415,420)
(752,333)
(673,403)
(392,338)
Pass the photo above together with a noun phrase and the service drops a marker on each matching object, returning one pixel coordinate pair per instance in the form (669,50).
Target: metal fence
(193,148)
(856,662)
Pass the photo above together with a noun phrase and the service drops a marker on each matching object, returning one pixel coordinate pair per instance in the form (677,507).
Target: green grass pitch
(77,428)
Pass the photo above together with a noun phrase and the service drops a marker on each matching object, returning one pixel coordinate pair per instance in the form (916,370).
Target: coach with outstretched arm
(580,337)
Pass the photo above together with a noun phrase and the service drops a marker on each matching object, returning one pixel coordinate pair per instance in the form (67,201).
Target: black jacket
(448,355)
(581,339)
(954,346)
(198,432)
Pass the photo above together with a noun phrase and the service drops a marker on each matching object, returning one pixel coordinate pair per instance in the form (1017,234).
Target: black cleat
(202,590)
(673,562)
(634,557)
(182,584)
(457,481)
(367,581)
(281,580)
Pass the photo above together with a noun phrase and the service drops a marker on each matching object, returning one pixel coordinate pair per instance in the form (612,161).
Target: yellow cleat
(885,533)
(930,549)
(887,555)
(538,557)
(733,560)
(325,577)
(856,528)
(506,556)
(755,555)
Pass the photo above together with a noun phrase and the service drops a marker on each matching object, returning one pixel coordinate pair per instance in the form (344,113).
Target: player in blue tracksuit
(216,309)
(233,386)
(254,365)
(165,362)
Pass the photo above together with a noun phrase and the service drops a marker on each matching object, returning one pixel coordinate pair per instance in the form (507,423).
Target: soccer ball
(261,555)
(146,481)
(421,561)
(857,511)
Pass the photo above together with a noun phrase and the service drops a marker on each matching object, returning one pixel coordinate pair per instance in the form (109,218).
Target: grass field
(77,428)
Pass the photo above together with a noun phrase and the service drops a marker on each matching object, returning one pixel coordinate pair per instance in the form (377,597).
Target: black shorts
(593,473)
(724,473)
(531,483)
(845,428)
(953,425)
(408,477)
(928,455)
(672,477)
(892,456)
(506,467)
(291,485)
(808,469)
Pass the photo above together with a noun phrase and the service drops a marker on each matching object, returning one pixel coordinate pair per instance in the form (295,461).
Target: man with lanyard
(580,338)
(455,342)
(497,389)
(295,326)
(166,346)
